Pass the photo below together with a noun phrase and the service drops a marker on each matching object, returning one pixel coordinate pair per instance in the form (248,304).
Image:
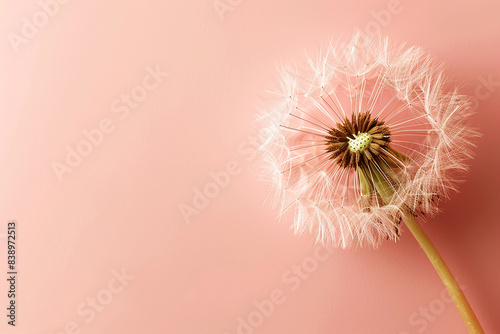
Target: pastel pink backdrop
(119,209)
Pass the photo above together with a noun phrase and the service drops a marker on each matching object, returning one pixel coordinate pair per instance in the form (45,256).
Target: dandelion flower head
(363,133)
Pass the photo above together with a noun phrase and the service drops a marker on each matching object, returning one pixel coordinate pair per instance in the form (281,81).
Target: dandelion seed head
(364,132)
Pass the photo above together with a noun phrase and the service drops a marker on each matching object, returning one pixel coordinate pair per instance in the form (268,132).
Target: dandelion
(365,137)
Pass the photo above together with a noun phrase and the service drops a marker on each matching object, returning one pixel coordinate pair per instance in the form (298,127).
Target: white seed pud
(360,142)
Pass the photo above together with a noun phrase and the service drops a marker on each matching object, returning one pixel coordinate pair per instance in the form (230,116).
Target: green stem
(445,274)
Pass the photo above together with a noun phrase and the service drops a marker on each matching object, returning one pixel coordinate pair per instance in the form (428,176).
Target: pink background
(120,207)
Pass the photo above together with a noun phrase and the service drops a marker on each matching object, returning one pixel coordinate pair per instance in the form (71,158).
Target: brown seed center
(358,140)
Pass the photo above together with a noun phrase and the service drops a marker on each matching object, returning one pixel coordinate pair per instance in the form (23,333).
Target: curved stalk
(445,274)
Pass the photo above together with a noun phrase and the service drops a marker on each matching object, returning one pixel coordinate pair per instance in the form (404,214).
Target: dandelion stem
(445,274)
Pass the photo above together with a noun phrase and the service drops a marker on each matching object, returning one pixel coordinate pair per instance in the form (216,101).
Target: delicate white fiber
(398,85)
